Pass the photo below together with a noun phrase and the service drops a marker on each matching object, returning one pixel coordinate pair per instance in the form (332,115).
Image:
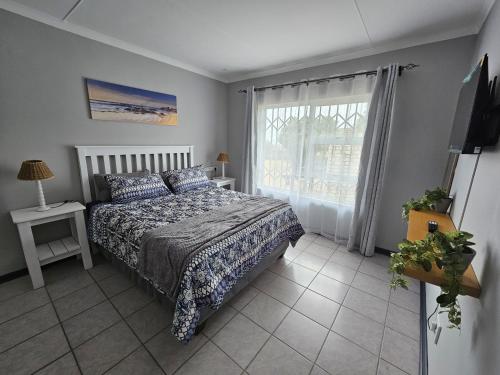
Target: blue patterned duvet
(212,271)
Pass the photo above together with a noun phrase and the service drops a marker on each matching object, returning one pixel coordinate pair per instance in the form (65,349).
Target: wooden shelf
(417,230)
(56,250)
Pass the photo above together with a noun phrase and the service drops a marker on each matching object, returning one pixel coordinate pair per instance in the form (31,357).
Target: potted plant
(438,200)
(434,200)
(450,252)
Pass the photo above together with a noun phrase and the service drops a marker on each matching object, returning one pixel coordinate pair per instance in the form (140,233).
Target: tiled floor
(320,310)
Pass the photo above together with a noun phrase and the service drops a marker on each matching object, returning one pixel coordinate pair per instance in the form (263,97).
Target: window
(312,149)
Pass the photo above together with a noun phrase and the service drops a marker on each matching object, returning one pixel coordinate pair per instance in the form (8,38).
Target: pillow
(128,189)
(170,172)
(103,191)
(182,180)
(166,174)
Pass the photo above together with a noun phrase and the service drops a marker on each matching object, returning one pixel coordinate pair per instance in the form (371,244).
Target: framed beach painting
(112,102)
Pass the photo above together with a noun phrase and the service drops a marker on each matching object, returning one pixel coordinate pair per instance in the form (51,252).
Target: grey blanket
(166,251)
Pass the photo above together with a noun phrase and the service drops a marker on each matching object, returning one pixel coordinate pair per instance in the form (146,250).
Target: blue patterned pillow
(128,189)
(182,180)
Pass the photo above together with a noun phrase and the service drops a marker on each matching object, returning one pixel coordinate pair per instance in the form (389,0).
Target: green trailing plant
(447,251)
(453,246)
(426,202)
(419,253)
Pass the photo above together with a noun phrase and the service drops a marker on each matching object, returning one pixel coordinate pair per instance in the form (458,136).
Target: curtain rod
(409,66)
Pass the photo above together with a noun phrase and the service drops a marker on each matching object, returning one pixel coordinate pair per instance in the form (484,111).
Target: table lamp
(36,170)
(223,158)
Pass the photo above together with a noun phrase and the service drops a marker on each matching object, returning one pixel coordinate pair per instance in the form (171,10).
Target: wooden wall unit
(417,230)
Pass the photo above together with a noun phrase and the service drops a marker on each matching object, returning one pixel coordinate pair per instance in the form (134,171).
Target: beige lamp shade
(224,157)
(34,170)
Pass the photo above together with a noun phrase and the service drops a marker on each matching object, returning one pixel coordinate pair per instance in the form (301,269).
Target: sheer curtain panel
(309,141)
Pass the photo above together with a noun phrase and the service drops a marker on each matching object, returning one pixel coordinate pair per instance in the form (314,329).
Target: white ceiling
(232,40)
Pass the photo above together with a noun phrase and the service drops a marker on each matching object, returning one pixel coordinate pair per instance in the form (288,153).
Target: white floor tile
(283,290)
(370,306)
(341,357)
(349,259)
(375,270)
(302,334)
(406,299)
(318,308)
(310,261)
(323,241)
(278,358)
(213,362)
(371,285)
(296,273)
(330,288)
(359,329)
(240,300)
(219,320)
(266,311)
(385,368)
(338,272)
(241,339)
(401,351)
(321,250)
(404,321)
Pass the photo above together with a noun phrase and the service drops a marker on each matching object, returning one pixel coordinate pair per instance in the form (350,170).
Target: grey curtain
(249,144)
(373,161)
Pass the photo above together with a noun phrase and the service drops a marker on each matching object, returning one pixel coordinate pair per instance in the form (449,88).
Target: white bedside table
(39,255)
(226,182)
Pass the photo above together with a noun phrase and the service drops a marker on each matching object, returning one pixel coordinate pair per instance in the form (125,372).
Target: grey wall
(475,349)
(424,112)
(43,113)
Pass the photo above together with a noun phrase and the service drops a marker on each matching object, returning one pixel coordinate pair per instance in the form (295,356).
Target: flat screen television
(470,129)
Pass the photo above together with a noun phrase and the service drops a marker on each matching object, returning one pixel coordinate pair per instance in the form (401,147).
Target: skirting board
(13,275)
(423,360)
(380,250)
(24,271)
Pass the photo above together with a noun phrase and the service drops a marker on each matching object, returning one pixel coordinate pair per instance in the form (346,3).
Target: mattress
(194,246)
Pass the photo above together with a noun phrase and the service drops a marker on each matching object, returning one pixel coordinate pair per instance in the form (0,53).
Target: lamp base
(41,199)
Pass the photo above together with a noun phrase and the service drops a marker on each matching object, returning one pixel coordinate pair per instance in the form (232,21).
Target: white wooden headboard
(121,159)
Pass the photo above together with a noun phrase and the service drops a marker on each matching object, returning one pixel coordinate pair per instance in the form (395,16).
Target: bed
(195,250)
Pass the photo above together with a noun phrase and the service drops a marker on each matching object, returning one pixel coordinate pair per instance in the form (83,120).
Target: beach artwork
(109,101)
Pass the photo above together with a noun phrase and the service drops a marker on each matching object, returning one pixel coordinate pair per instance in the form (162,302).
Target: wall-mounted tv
(473,128)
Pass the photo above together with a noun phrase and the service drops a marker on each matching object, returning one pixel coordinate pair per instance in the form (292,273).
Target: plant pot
(442,205)
(468,255)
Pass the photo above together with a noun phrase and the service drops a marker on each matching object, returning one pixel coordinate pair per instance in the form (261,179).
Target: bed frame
(121,159)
